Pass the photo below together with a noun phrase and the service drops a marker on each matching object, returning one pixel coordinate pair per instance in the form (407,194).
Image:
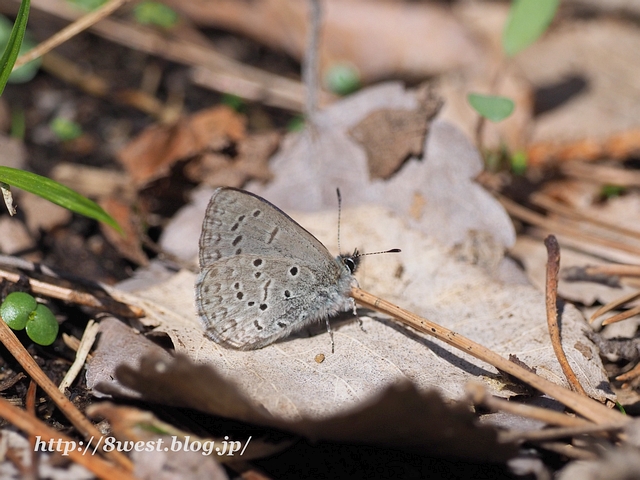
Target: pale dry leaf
(181,234)
(400,417)
(437,191)
(117,344)
(424,278)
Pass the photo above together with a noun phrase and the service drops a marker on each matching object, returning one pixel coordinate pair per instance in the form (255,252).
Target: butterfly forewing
(238,222)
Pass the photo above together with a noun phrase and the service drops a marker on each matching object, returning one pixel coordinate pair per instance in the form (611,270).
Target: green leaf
(528,19)
(491,107)
(233,101)
(27,71)
(519,163)
(154,13)
(65,129)
(611,191)
(56,193)
(42,326)
(16,308)
(296,124)
(342,78)
(12,49)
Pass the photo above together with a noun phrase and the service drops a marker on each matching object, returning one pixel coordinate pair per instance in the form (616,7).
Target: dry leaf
(156,149)
(391,136)
(215,169)
(400,417)
(450,204)
(508,318)
(128,245)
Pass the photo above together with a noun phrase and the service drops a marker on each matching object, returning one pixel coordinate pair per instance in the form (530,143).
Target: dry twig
(82,424)
(34,427)
(582,405)
(551,295)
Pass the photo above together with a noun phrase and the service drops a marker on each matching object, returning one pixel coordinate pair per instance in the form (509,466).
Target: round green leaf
(42,326)
(528,19)
(65,129)
(16,308)
(342,78)
(492,107)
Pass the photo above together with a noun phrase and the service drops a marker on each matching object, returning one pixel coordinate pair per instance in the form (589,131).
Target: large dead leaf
(400,417)
(287,380)
(156,149)
(437,193)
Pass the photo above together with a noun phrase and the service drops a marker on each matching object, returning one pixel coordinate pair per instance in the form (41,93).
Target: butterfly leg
(355,314)
(330,334)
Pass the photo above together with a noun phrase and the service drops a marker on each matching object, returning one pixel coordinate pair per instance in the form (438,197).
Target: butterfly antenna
(393,250)
(339,214)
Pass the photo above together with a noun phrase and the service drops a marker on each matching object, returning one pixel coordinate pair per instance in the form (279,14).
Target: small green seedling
(156,14)
(20,310)
(492,107)
(16,308)
(65,129)
(342,78)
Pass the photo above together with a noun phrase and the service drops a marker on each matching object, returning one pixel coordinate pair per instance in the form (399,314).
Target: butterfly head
(351,261)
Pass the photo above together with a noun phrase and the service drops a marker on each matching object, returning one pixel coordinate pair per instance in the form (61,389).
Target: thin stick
(556,433)
(551,205)
(553,267)
(585,406)
(619,270)
(310,60)
(479,395)
(73,296)
(84,426)
(34,427)
(561,226)
(632,312)
(88,339)
(70,31)
(615,304)
(630,375)
(30,407)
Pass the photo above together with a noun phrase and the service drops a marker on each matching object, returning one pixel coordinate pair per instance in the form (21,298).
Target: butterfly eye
(350,264)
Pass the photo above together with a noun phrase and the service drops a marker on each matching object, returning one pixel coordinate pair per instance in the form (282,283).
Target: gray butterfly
(263,276)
